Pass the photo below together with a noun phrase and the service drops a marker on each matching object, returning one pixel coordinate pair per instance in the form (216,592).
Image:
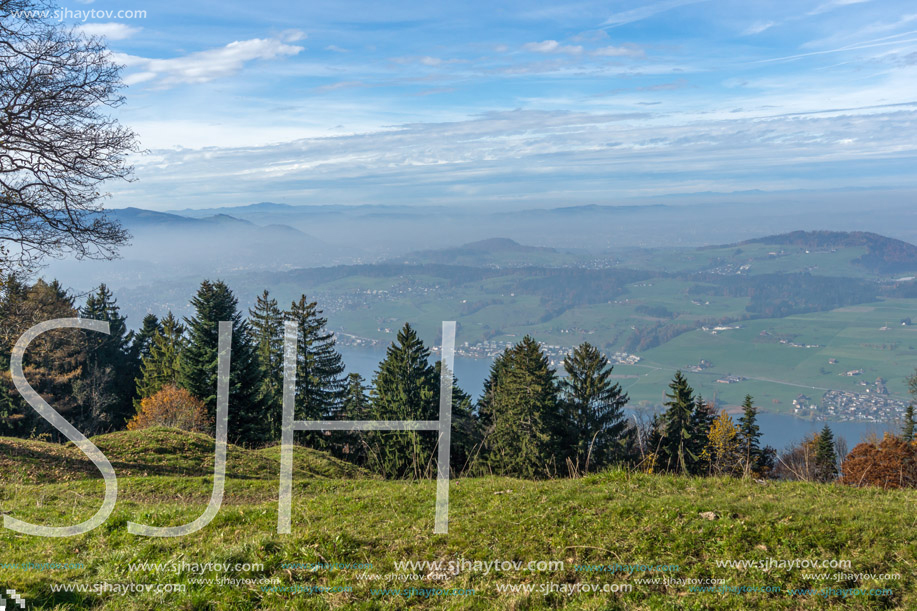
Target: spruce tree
(487,397)
(319,366)
(162,366)
(907,429)
(594,407)
(213,303)
(825,456)
(143,339)
(525,431)
(653,451)
(13,294)
(702,418)
(105,386)
(750,438)
(266,320)
(355,405)
(404,388)
(466,432)
(320,379)
(53,363)
(677,425)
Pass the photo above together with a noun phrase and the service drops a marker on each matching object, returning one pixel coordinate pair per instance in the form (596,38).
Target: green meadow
(343,518)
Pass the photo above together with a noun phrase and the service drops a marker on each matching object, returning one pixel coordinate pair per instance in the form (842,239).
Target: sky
(509,104)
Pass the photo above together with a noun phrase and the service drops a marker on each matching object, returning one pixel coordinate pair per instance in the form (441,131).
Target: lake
(777,430)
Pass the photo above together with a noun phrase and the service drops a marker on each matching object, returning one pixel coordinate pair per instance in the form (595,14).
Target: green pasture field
(343,519)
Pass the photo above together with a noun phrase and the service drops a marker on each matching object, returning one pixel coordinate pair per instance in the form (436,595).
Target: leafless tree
(797,461)
(58,143)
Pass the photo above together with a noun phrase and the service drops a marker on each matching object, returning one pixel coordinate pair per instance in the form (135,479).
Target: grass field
(344,518)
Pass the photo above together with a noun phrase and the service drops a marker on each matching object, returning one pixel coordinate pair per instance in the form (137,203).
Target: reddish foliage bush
(892,463)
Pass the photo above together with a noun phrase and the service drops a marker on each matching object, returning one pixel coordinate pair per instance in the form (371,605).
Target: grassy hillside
(157,451)
(605,519)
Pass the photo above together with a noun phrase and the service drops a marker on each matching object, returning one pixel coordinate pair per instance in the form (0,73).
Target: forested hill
(883,254)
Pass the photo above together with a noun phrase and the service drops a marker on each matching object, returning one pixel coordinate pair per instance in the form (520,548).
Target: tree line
(529,422)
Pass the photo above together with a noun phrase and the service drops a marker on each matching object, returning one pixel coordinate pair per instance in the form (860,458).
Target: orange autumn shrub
(892,463)
(172,407)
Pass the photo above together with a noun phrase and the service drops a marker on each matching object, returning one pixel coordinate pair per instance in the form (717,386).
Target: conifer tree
(594,408)
(320,379)
(749,438)
(404,388)
(214,303)
(53,362)
(355,405)
(525,430)
(675,446)
(141,343)
(909,420)
(266,320)
(825,456)
(907,430)
(466,432)
(702,418)
(319,366)
(652,455)
(143,339)
(162,367)
(105,386)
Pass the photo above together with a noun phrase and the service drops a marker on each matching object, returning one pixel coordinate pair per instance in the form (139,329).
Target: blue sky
(511,104)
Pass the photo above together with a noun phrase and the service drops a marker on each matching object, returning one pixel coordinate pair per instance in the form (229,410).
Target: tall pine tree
(750,438)
(675,445)
(319,367)
(106,384)
(355,405)
(404,388)
(162,366)
(213,303)
(53,363)
(907,429)
(594,407)
(320,379)
(525,431)
(266,320)
(825,456)
(702,419)
(143,339)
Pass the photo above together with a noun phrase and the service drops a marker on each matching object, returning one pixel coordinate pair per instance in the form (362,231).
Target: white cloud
(292,35)
(426,60)
(504,152)
(111,31)
(552,46)
(204,66)
(336,49)
(622,51)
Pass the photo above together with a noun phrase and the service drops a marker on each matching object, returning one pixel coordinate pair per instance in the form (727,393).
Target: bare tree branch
(58,146)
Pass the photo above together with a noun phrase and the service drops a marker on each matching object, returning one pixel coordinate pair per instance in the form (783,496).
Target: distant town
(871,405)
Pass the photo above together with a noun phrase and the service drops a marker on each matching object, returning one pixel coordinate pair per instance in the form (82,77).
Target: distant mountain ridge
(883,254)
